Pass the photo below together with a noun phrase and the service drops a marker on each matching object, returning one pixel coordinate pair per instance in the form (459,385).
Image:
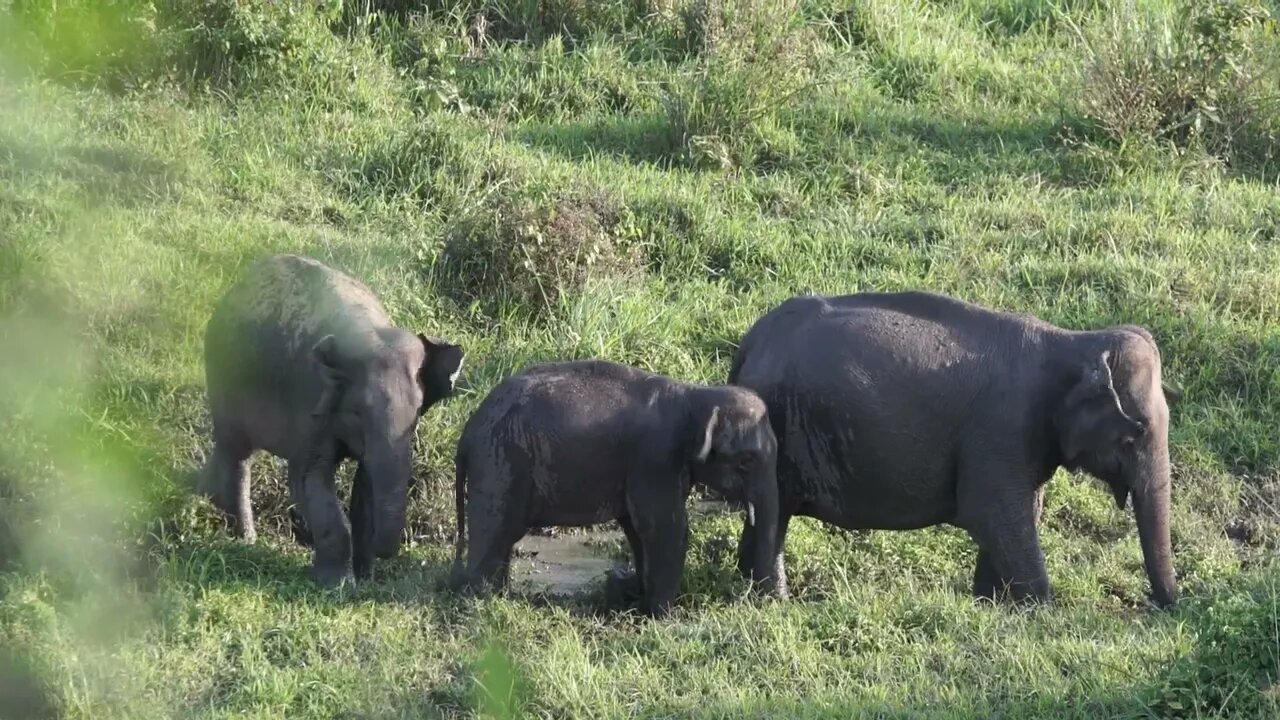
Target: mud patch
(566,563)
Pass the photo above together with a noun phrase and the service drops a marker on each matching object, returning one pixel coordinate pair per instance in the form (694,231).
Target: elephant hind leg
(488,565)
(226,482)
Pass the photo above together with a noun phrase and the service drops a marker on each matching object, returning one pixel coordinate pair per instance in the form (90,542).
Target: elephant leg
(312,484)
(298,525)
(663,528)
(997,506)
(490,542)
(226,482)
(489,560)
(362,524)
(986,582)
(622,587)
(776,585)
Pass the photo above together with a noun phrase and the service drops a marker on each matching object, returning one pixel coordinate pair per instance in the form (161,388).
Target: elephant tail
(739,359)
(460,507)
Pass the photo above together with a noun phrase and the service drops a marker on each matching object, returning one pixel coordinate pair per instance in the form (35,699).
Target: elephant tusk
(751,514)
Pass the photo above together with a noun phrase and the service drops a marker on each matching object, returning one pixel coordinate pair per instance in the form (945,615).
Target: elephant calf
(904,410)
(302,361)
(580,443)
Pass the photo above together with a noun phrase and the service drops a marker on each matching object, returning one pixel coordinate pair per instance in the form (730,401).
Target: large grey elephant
(585,442)
(905,410)
(302,361)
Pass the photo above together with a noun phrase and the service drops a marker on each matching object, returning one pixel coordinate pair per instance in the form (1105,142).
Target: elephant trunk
(762,513)
(389,468)
(1151,510)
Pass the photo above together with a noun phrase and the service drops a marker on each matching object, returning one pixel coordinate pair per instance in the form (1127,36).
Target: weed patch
(531,249)
(1197,78)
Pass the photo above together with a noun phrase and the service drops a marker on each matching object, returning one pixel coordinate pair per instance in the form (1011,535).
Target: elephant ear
(1093,419)
(441,366)
(326,354)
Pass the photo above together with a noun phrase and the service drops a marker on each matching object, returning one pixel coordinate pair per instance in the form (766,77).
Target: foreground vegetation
(636,181)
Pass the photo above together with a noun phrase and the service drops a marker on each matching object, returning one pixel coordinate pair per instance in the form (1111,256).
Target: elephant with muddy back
(302,361)
(905,410)
(584,442)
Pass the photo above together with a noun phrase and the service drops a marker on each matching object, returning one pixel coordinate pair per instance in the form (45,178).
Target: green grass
(888,144)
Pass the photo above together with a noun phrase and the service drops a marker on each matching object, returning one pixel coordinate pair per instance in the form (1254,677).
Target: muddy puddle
(573,560)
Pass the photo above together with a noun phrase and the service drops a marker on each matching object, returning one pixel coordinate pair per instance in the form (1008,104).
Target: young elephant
(580,443)
(904,410)
(303,362)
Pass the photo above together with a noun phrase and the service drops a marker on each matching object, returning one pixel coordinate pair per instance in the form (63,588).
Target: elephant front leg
(986,581)
(313,488)
(663,529)
(1010,561)
(623,588)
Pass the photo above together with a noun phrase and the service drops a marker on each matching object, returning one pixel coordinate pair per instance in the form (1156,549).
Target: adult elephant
(905,410)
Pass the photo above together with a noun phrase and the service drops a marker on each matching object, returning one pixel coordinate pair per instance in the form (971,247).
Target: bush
(534,248)
(754,58)
(81,40)
(1195,78)
(229,42)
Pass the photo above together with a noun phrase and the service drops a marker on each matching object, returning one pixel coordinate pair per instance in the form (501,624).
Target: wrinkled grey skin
(906,410)
(585,442)
(303,362)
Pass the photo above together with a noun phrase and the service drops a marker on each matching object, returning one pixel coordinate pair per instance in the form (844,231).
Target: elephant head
(1114,425)
(375,392)
(735,453)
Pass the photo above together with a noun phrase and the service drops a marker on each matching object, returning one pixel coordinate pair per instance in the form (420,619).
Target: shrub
(1193,78)
(534,248)
(80,40)
(1235,670)
(228,42)
(753,58)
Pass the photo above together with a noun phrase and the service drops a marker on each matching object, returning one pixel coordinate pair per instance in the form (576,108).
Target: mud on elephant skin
(904,410)
(303,361)
(585,442)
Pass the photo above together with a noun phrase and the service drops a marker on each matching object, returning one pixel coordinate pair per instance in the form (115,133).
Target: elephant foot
(362,570)
(301,534)
(623,588)
(333,577)
(1018,597)
(770,587)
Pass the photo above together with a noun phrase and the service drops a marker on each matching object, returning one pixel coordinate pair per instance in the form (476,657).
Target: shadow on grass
(123,175)
(640,141)
(967,150)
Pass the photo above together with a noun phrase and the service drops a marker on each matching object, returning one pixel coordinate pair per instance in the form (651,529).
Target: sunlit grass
(939,147)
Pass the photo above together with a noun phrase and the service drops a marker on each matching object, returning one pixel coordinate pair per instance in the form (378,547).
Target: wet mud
(568,561)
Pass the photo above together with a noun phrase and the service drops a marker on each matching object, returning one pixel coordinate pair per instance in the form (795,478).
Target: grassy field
(636,180)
